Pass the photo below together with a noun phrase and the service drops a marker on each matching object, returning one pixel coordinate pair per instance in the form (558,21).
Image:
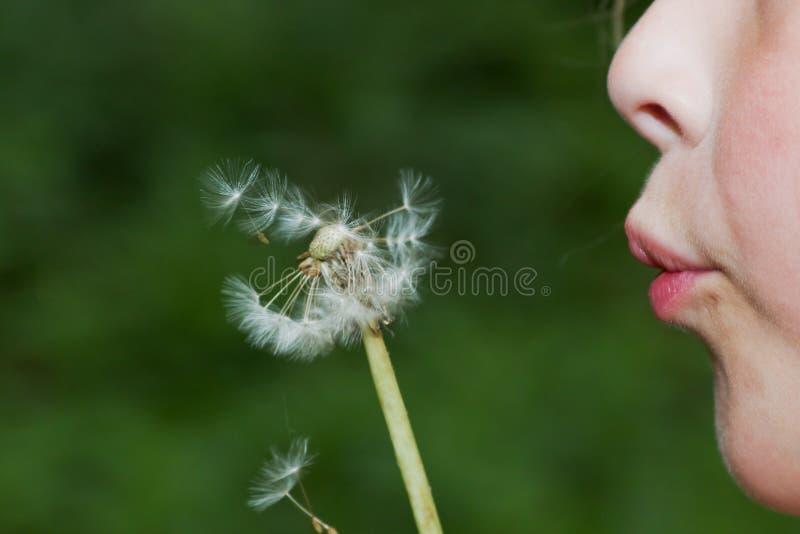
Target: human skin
(715,86)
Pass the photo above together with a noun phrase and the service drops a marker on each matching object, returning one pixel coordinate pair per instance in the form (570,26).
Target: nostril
(661,115)
(657,125)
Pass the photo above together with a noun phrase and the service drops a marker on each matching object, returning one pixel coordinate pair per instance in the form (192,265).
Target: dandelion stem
(405,447)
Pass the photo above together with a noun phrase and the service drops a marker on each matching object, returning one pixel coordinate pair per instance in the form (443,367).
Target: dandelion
(355,272)
(356,276)
(279,476)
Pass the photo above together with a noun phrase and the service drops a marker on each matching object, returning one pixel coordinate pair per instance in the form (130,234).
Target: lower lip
(671,290)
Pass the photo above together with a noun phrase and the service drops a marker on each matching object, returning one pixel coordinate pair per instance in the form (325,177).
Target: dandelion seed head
(355,272)
(327,240)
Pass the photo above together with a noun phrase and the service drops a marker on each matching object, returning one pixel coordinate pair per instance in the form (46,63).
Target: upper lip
(652,252)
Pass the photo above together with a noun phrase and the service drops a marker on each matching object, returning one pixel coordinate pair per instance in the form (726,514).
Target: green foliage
(129,404)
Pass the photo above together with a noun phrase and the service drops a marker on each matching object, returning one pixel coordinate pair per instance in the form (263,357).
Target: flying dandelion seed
(278,477)
(354,272)
(280,474)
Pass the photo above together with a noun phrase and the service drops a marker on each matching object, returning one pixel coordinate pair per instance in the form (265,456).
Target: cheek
(757,172)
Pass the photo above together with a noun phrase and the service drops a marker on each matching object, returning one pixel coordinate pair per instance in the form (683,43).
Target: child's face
(715,85)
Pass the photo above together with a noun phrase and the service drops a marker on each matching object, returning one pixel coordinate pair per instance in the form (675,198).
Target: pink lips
(673,286)
(670,290)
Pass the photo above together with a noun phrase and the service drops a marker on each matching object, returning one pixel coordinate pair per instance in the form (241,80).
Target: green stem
(405,447)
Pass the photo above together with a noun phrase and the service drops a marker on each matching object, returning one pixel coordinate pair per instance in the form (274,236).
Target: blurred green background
(130,405)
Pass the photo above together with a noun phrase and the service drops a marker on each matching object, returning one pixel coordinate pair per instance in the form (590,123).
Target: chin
(764,469)
(757,392)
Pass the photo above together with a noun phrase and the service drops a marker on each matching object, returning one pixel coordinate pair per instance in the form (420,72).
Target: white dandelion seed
(266,324)
(226,185)
(262,206)
(296,217)
(419,193)
(406,233)
(280,474)
(354,272)
(277,478)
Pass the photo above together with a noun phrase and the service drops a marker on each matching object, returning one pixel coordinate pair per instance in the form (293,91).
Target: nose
(661,77)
